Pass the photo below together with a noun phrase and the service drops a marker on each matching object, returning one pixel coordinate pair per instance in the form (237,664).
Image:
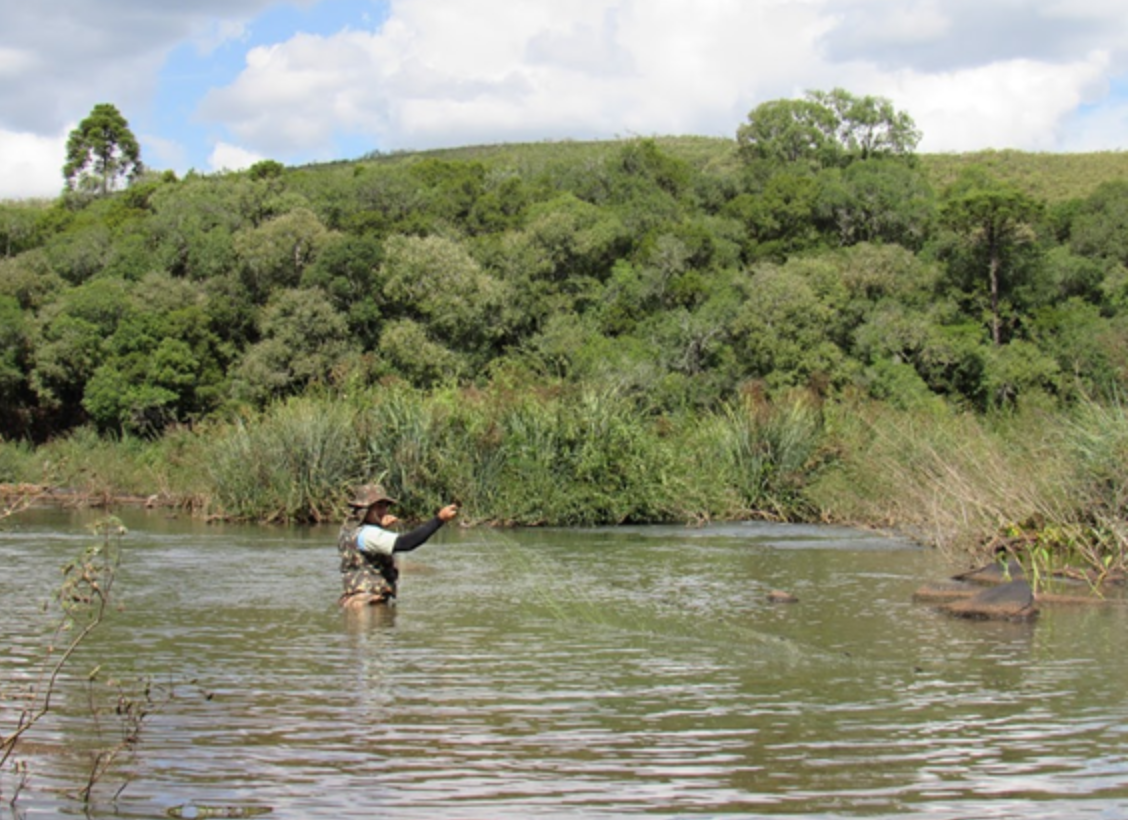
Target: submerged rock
(1013,601)
(194,812)
(947,592)
(944,592)
(778,596)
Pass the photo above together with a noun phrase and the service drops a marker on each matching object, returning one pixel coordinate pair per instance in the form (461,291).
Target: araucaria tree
(995,219)
(101,151)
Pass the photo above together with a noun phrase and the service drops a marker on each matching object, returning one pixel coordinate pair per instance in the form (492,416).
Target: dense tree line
(819,255)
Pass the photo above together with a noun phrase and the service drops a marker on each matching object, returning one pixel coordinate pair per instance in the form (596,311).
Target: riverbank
(22,494)
(1049,482)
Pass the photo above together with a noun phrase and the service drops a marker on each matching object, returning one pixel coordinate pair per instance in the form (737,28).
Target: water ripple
(593,673)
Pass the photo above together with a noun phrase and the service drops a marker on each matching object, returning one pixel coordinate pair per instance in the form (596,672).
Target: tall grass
(557,455)
(960,482)
(1097,437)
(16,459)
(293,463)
(1053,177)
(90,468)
(552,457)
(584,458)
(529,459)
(765,454)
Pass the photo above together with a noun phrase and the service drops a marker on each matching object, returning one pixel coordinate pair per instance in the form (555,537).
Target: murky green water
(595,673)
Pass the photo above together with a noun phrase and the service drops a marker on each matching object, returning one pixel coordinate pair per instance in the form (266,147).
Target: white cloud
(1017,103)
(14,62)
(1100,128)
(441,74)
(72,54)
(936,36)
(31,166)
(217,32)
(226,157)
(293,96)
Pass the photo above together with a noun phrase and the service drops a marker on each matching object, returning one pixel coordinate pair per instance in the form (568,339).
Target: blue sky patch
(194,67)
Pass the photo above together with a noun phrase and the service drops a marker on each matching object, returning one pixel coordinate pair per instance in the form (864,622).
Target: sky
(216,85)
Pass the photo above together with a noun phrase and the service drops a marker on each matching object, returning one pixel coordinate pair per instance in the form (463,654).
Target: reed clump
(762,455)
(562,458)
(286,464)
(86,468)
(556,456)
(16,458)
(1050,483)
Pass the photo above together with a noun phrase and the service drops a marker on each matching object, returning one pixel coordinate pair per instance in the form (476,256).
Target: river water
(563,673)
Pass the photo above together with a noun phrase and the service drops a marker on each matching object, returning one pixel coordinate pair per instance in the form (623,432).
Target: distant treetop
(827,129)
(101,151)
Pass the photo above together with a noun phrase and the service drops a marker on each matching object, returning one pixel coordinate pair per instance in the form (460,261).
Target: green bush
(763,454)
(292,463)
(578,458)
(16,463)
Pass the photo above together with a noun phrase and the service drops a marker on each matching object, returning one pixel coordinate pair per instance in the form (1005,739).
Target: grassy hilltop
(1049,176)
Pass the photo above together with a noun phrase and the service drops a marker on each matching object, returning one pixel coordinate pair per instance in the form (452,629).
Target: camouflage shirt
(364,573)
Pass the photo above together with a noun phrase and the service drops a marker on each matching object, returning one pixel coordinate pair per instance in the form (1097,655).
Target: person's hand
(388,520)
(448,512)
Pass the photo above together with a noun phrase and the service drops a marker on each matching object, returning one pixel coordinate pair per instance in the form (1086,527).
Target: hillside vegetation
(1051,177)
(672,328)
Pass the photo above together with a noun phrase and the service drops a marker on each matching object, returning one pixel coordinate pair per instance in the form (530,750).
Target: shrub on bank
(84,467)
(15,460)
(287,464)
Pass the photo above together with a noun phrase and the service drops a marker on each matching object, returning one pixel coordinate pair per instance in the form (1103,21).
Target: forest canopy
(815,250)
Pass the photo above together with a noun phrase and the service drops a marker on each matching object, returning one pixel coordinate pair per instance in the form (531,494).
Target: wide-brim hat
(367,495)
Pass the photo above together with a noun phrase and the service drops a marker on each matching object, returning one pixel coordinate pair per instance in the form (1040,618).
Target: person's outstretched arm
(408,541)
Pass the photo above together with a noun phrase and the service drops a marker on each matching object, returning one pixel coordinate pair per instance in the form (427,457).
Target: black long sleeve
(416,538)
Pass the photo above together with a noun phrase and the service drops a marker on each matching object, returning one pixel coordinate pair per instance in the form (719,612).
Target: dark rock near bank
(1013,601)
(993,573)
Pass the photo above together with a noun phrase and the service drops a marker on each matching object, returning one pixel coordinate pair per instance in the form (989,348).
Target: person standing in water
(368,546)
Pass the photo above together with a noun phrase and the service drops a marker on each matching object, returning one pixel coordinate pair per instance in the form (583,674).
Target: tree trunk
(994,282)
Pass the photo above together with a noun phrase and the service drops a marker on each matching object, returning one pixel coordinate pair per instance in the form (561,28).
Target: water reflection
(596,672)
(360,621)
